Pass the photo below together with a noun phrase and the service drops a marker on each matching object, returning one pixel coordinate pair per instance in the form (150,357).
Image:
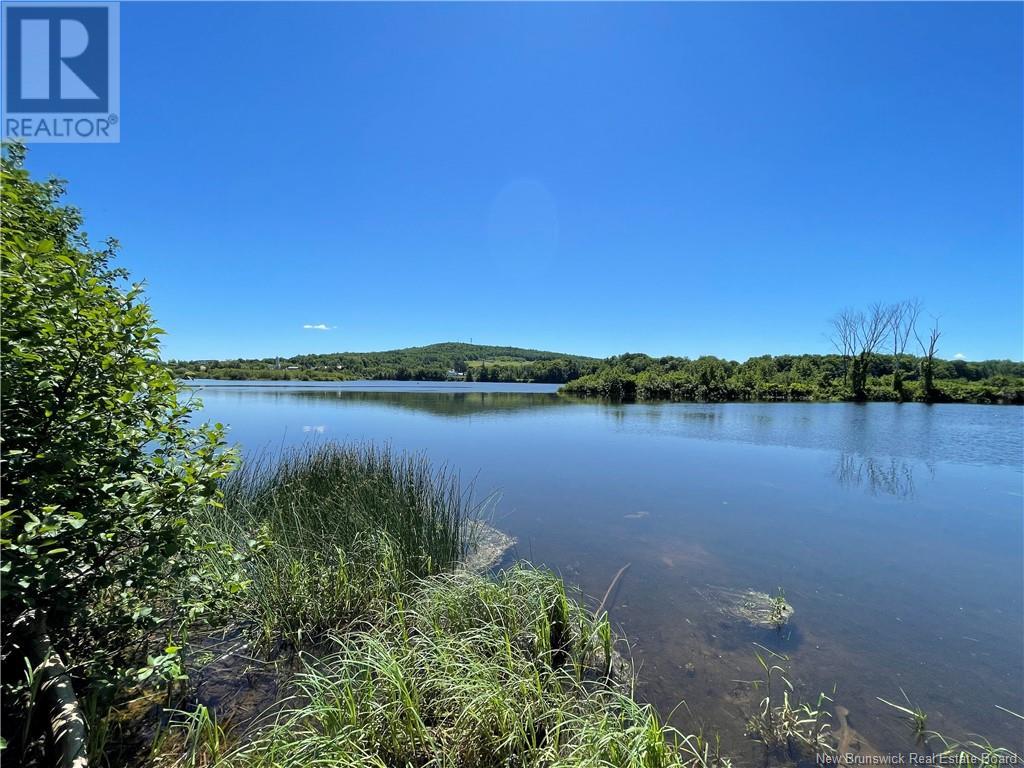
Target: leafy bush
(101,472)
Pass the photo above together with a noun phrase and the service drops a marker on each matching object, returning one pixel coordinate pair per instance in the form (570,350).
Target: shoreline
(441,386)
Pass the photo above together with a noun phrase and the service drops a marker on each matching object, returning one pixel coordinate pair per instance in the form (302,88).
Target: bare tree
(902,322)
(870,332)
(928,352)
(844,337)
(873,328)
(858,336)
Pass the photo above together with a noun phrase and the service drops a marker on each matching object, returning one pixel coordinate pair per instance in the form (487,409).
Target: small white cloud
(959,356)
(319,327)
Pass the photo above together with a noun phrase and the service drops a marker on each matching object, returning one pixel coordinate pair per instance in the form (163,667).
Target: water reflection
(447,404)
(891,476)
(877,461)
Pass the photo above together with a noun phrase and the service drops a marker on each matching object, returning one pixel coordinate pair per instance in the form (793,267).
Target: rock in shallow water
(489,548)
(758,608)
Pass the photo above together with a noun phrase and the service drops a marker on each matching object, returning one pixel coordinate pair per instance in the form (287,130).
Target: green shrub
(100,470)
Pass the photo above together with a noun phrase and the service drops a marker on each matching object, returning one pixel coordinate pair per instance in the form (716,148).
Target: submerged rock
(851,747)
(758,608)
(489,547)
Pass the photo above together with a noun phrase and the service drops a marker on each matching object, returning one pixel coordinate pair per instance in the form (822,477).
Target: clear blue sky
(677,178)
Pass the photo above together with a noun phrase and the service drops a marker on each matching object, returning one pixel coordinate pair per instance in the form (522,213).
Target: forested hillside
(435,362)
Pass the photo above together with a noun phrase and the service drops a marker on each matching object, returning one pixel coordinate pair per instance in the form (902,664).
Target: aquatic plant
(973,752)
(976,750)
(192,739)
(915,717)
(789,729)
(700,752)
(780,610)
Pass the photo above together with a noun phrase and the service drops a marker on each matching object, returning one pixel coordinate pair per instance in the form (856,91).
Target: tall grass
(468,670)
(318,534)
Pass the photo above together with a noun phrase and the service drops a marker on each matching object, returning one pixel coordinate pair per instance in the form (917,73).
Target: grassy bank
(463,670)
(345,562)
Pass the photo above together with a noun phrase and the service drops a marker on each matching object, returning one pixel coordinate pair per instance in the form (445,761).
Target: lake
(895,531)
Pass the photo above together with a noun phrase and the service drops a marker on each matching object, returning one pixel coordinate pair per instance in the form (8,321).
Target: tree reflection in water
(890,476)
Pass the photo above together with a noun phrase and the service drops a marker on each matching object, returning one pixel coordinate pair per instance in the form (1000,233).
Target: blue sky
(682,178)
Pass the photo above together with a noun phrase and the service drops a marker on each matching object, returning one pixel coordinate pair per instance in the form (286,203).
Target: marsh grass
(191,739)
(470,670)
(332,495)
(315,536)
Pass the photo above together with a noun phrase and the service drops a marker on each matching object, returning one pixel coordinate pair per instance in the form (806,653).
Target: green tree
(101,471)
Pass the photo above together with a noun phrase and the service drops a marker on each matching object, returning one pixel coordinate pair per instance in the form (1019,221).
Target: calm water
(895,530)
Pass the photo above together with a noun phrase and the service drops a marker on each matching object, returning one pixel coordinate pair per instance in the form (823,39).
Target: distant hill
(434,362)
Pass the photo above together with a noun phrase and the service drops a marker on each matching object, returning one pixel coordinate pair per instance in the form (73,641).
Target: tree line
(875,360)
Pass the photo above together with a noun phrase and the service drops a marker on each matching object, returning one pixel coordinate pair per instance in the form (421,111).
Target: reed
(315,536)
(915,717)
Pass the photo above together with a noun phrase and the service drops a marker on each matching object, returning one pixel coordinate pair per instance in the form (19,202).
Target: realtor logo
(61,72)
